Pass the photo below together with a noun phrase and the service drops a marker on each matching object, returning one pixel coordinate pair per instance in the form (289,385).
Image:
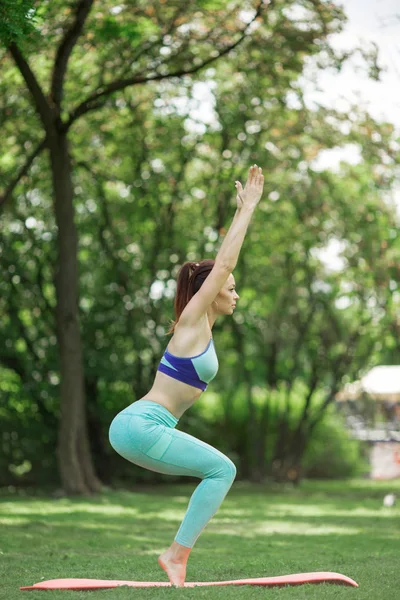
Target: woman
(144,432)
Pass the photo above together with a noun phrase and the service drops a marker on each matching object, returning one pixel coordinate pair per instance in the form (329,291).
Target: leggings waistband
(152,410)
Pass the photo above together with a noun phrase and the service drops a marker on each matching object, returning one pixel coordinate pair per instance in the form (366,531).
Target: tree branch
(8,193)
(64,51)
(96,100)
(42,106)
(150,45)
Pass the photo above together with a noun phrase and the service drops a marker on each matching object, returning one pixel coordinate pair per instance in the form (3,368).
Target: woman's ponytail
(190,278)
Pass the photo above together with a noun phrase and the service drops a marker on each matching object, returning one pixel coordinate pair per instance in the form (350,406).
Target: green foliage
(17,20)
(332,454)
(28,431)
(329,451)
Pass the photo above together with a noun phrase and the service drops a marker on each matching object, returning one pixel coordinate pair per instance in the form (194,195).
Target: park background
(124,126)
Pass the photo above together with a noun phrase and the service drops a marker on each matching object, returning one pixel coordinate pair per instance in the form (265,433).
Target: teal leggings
(144,433)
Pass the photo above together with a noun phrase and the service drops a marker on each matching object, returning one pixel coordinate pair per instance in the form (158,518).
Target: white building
(372,409)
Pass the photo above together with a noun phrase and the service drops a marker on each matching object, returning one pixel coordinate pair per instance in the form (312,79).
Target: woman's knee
(226,470)
(232,468)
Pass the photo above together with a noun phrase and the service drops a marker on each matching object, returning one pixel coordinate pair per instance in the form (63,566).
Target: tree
(108,157)
(58,112)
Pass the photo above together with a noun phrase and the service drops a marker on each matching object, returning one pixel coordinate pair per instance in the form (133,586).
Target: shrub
(332,454)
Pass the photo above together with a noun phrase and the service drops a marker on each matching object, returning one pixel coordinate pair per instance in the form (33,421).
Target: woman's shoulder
(190,340)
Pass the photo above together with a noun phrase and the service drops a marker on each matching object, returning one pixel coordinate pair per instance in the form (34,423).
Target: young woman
(144,432)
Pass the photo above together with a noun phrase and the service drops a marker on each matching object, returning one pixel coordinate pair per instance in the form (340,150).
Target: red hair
(191,277)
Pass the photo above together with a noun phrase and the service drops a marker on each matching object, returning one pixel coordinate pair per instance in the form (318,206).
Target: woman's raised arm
(247,200)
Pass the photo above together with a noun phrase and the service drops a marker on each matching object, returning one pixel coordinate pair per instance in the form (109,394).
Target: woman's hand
(252,192)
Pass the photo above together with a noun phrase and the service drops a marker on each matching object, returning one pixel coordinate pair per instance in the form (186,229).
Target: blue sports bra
(194,370)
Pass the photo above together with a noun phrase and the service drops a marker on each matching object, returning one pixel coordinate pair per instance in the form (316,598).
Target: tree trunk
(75,462)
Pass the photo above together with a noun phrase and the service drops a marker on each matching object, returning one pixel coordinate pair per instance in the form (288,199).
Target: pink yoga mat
(98,584)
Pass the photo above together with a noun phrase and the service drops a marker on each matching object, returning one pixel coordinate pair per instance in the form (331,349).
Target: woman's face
(227,297)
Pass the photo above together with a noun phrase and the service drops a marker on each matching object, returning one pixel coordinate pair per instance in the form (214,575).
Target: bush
(332,454)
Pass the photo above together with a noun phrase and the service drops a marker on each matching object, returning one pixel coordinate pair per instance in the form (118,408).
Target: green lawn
(259,531)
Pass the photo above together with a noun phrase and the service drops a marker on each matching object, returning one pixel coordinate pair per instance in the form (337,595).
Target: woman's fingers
(238,186)
(255,175)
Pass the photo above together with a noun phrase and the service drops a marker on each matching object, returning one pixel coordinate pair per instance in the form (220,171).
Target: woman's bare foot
(174,561)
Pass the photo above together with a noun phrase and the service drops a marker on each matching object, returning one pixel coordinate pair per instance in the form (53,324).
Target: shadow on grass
(251,514)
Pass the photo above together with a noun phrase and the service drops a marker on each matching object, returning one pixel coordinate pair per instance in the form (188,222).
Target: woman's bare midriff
(175,395)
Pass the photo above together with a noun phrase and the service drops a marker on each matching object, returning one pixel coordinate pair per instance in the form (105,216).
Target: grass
(259,531)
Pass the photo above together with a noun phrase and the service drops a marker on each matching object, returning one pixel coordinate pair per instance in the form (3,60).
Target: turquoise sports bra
(195,370)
